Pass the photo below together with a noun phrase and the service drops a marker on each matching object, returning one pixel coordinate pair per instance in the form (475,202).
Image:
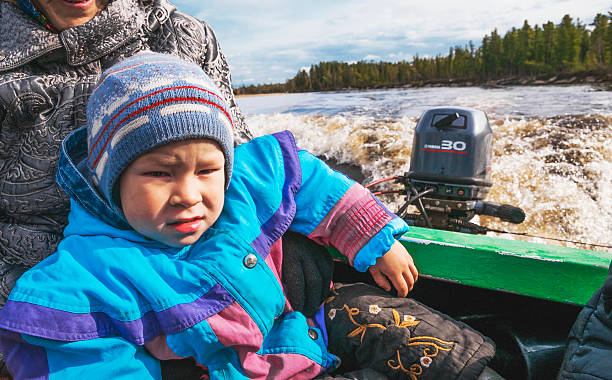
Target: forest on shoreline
(564,53)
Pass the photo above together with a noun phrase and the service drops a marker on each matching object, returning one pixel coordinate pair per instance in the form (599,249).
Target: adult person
(52,52)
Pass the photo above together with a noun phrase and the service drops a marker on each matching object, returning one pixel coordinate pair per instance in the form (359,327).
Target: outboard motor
(448,181)
(450,172)
(451,154)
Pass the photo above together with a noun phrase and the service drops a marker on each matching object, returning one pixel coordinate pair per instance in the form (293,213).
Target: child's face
(175,192)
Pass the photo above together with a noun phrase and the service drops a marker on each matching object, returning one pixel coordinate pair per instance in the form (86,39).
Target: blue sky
(270,41)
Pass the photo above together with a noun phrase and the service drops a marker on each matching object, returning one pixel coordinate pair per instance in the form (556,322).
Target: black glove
(307,273)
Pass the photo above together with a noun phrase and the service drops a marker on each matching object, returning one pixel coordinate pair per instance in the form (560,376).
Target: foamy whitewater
(552,147)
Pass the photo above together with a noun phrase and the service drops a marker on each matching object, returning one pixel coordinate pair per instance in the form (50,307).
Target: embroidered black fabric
(400,337)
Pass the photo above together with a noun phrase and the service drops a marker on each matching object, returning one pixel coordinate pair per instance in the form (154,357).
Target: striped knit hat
(146,101)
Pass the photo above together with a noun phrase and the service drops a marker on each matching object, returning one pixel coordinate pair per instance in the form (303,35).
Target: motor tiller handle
(504,212)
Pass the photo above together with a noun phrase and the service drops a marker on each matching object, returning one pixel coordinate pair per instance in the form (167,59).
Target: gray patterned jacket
(45,82)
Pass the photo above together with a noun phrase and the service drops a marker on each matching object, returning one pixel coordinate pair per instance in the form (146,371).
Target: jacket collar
(110,29)
(25,40)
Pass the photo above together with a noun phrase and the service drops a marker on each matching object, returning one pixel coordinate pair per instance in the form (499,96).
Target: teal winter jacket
(110,304)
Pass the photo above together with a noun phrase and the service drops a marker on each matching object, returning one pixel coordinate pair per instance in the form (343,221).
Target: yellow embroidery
(413,371)
(432,338)
(432,345)
(362,328)
(334,294)
(407,322)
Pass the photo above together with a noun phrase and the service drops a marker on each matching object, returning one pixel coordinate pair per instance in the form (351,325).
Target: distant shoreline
(603,79)
(264,94)
(581,77)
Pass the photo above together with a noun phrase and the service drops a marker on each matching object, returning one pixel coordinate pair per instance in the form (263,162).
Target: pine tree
(569,44)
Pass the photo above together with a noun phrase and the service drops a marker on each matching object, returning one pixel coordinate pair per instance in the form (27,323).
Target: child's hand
(397,267)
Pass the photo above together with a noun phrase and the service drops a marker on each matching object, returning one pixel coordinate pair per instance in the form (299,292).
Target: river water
(552,153)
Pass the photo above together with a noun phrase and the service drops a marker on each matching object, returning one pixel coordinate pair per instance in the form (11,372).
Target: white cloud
(400,56)
(270,39)
(371,57)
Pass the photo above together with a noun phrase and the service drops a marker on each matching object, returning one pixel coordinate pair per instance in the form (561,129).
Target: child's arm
(395,266)
(335,210)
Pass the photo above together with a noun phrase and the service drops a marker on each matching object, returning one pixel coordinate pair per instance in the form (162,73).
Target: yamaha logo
(448,146)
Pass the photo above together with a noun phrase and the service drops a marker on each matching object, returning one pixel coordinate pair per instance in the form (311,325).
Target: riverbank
(602,78)
(594,77)
(265,94)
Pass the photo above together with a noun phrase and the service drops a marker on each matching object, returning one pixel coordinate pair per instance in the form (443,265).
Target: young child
(173,250)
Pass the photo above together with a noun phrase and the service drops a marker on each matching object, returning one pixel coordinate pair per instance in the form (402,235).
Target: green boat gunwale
(554,273)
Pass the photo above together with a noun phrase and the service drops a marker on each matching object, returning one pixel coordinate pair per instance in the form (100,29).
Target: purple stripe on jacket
(278,224)
(61,325)
(13,346)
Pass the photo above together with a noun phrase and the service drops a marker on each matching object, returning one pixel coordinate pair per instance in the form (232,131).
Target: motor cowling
(451,153)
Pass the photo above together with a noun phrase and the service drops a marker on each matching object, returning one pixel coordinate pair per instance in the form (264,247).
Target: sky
(269,41)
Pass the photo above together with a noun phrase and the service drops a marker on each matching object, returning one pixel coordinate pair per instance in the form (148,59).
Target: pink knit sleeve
(352,222)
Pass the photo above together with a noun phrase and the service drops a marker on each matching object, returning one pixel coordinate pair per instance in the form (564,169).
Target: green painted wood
(544,271)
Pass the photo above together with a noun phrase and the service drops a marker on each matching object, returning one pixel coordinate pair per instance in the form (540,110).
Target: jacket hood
(74,178)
